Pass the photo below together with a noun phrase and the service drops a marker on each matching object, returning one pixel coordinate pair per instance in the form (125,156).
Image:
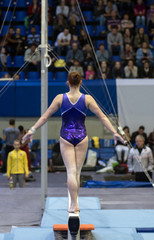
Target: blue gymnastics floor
(109,224)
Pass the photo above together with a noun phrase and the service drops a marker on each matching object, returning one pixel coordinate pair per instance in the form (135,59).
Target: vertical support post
(44,99)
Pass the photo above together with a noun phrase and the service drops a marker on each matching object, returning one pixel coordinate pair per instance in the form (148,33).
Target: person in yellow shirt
(17,165)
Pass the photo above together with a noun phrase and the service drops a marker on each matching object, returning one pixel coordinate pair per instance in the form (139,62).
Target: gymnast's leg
(68,155)
(73,158)
(80,152)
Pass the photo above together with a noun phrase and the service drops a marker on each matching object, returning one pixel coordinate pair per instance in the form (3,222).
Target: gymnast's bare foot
(73,210)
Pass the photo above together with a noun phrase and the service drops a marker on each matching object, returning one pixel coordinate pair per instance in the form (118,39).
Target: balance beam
(64,227)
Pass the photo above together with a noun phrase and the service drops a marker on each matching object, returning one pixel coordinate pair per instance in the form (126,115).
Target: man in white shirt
(63,42)
(140,158)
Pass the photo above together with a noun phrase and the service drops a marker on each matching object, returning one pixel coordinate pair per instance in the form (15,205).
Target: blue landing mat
(32,234)
(116,234)
(116,184)
(61,203)
(147,236)
(103,218)
(2,236)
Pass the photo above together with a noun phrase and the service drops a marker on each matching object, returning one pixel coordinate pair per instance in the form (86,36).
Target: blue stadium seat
(50,76)
(20,16)
(116,58)
(2,74)
(9,16)
(50,3)
(20,3)
(18,61)
(99,29)
(50,30)
(90,30)
(9,61)
(33,76)
(61,76)
(22,75)
(148,2)
(5,3)
(4,30)
(88,15)
(23,29)
(98,42)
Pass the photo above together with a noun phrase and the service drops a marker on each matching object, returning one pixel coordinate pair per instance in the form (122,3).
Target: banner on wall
(135,103)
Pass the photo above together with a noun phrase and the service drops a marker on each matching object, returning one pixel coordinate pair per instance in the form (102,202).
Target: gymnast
(73,136)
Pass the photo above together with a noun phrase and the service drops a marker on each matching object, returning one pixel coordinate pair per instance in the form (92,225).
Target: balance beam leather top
(64,227)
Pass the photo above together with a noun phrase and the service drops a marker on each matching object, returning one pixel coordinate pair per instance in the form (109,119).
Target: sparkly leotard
(73,119)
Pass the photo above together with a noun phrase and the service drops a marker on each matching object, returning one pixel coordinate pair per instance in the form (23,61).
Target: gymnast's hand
(116,137)
(28,135)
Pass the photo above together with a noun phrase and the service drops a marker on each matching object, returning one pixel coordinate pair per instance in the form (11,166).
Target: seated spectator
(74,53)
(102,53)
(121,149)
(9,42)
(139,156)
(140,38)
(128,36)
(16,76)
(108,9)
(117,71)
(139,12)
(151,24)
(33,37)
(3,59)
(130,70)
(90,73)
(83,38)
(128,54)
(73,9)
(20,47)
(146,71)
(150,11)
(113,21)
(115,42)
(76,67)
(63,42)
(105,70)
(62,9)
(88,56)
(99,11)
(6,75)
(144,54)
(73,25)
(126,22)
(58,25)
(139,132)
(33,58)
(151,141)
(75,39)
(34,13)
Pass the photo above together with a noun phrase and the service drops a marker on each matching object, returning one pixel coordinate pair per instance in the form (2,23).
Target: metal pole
(44,100)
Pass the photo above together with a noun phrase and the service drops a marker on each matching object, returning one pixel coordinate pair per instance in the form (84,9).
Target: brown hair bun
(74,78)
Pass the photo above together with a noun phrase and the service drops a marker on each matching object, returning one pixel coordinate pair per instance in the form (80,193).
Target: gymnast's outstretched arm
(93,107)
(55,105)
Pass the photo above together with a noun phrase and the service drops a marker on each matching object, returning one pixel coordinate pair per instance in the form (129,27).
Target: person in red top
(139,12)
(34,12)
(24,146)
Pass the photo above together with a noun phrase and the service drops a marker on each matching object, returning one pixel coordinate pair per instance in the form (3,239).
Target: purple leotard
(73,119)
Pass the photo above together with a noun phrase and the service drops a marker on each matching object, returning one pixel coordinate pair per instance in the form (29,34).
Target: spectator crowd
(122,34)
